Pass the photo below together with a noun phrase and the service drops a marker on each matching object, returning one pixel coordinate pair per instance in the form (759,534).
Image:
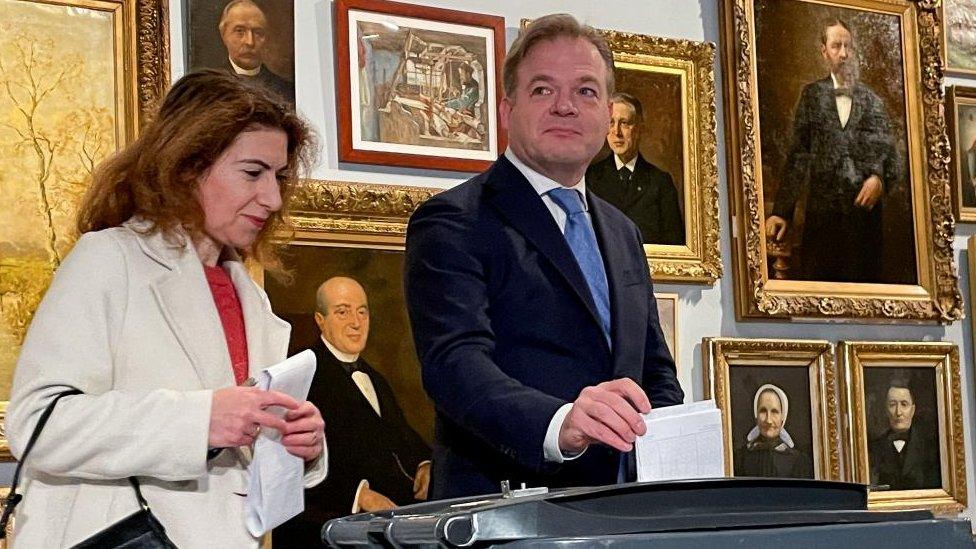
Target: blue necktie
(582,241)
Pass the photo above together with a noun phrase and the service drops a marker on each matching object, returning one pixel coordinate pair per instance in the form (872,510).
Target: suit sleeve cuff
(550,448)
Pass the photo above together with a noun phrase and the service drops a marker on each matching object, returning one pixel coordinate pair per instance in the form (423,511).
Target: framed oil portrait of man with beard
(906,435)
(838,160)
(778,406)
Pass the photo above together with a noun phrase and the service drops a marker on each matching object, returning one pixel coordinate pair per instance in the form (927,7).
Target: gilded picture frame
(961,117)
(738,372)
(686,150)
(63,108)
(930,292)
(645,67)
(876,377)
(356,230)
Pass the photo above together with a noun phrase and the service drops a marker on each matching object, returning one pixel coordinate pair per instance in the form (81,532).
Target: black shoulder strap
(13,498)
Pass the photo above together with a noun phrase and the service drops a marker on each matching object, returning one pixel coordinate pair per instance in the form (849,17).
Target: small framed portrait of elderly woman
(778,406)
(906,423)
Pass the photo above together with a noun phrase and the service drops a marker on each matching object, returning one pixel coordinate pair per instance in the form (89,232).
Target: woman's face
(769,415)
(241,189)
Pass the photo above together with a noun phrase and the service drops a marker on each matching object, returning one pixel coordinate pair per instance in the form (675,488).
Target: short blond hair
(550,27)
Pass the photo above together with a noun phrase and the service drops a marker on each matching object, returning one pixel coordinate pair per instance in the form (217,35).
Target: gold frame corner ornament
(936,297)
(345,213)
(720,354)
(854,357)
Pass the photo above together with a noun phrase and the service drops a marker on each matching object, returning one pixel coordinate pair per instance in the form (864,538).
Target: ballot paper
(681,442)
(277,490)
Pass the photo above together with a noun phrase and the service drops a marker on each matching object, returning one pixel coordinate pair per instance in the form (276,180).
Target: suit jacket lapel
(858,98)
(187,305)
(517,202)
(828,103)
(267,335)
(622,333)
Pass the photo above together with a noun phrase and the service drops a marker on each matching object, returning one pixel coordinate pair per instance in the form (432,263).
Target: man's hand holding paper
(608,413)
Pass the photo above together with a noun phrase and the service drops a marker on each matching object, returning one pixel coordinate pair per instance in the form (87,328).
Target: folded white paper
(276,492)
(681,442)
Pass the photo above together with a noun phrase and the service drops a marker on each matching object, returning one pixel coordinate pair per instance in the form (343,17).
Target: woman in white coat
(153,317)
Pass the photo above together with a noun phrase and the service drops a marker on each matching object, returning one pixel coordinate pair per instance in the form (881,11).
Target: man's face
(244,34)
(769,415)
(901,408)
(558,116)
(624,132)
(346,322)
(839,51)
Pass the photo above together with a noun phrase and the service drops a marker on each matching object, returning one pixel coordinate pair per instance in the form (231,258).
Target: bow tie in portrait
(899,436)
(842,91)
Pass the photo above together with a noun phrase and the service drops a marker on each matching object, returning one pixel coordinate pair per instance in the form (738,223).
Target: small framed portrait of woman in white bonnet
(778,406)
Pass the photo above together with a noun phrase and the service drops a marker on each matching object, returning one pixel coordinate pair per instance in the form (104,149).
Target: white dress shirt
(241,70)
(844,103)
(542,186)
(631,165)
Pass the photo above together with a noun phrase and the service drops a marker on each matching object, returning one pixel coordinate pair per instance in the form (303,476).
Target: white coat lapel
(267,335)
(187,305)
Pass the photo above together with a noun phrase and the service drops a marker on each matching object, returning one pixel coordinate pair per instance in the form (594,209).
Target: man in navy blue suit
(530,298)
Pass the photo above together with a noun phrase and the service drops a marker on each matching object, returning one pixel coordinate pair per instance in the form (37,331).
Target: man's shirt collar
(343,357)
(243,71)
(632,165)
(541,183)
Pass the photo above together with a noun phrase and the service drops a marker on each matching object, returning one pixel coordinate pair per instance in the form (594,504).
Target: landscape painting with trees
(59,117)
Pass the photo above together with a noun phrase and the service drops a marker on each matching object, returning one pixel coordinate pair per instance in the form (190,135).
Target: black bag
(140,530)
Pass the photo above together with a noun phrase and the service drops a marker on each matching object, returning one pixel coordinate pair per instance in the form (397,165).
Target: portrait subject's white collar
(242,70)
(343,357)
(630,165)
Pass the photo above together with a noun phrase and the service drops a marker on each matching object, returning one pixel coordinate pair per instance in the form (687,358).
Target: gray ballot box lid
(693,514)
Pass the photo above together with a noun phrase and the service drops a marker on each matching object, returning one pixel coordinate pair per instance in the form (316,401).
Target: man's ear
(319,320)
(504,111)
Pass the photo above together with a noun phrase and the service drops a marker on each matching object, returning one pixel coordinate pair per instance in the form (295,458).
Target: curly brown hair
(156,177)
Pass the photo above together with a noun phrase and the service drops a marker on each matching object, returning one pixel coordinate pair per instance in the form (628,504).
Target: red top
(231,317)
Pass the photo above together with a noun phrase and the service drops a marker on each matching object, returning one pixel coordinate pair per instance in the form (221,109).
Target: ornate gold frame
(957,96)
(362,214)
(719,354)
(699,261)
(944,358)
(142,59)
(936,297)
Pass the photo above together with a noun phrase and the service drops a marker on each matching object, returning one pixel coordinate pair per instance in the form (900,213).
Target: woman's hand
(304,432)
(237,414)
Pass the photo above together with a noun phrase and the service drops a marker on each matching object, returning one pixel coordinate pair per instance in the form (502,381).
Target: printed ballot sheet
(682,442)
(277,492)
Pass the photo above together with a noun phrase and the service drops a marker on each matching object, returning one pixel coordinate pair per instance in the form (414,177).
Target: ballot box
(693,514)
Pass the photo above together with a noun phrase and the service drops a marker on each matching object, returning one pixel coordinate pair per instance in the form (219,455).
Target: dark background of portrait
(204,48)
(744,381)
(788,58)
(390,348)
(661,141)
(922,384)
